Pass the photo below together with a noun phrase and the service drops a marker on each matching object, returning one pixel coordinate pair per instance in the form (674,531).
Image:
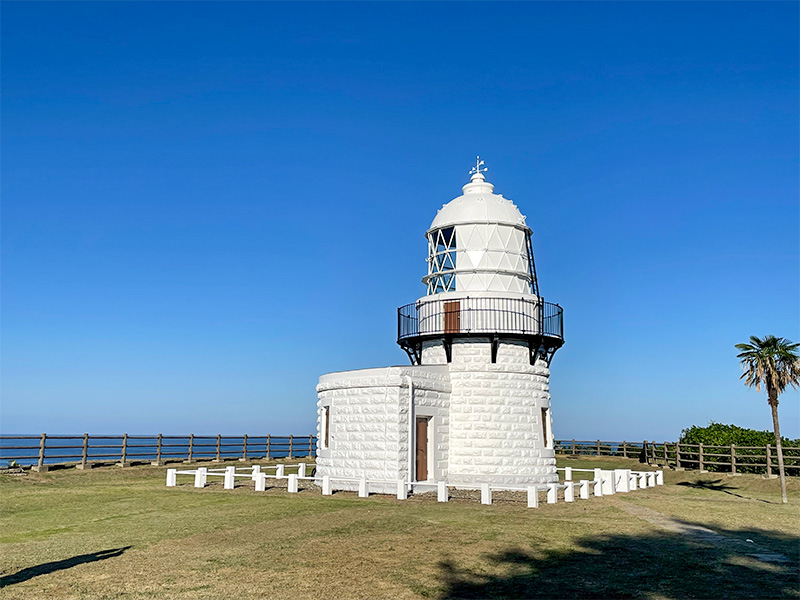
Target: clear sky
(205,206)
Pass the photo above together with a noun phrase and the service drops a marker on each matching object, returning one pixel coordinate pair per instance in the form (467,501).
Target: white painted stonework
(481,340)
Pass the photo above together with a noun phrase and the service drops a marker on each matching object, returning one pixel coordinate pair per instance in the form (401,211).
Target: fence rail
(42,451)
(728,459)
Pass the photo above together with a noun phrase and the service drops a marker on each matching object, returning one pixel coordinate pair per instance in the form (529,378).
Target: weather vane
(476,170)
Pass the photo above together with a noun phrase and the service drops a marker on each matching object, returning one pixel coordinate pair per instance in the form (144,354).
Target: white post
(623,480)
(261,482)
(363,492)
(441,491)
(256,472)
(569,492)
(230,472)
(552,493)
(642,480)
(598,488)
(200,477)
(533,496)
(301,470)
(607,477)
(293,489)
(567,473)
(172,477)
(632,479)
(659,477)
(279,470)
(402,490)
(651,479)
(584,489)
(486,494)
(326,485)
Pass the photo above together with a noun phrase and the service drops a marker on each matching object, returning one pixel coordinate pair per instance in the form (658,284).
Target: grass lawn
(120,533)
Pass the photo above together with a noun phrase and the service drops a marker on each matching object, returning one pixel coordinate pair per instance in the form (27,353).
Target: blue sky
(206,206)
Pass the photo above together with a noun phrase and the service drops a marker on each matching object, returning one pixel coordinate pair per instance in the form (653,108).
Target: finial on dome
(477,171)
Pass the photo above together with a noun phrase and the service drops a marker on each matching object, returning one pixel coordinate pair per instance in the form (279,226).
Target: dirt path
(700,534)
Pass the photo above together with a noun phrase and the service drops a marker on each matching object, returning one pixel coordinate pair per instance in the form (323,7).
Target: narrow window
(326,426)
(544,428)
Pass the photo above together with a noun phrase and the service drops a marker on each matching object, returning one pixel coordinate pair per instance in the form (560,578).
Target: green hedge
(719,434)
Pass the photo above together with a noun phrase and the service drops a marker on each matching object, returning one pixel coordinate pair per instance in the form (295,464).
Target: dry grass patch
(188,543)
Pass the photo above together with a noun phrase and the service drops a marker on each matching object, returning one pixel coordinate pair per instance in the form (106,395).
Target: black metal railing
(517,316)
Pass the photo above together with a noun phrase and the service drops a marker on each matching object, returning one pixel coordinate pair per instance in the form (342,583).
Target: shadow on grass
(718,486)
(59,565)
(737,564)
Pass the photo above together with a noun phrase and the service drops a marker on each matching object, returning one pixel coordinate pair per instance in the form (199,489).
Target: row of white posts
(604,482)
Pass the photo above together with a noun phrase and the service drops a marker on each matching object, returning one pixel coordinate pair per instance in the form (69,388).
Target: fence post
(644,451)
(769,462)
(219,440)
(624,449)
(598,447)
(733,460)
(158,462)
(269,441)
(653,452)
(123,460)
(311,445)
(573,446)
(291,445)
(191,448)
(701,457)
(244,447)
(84,451)
(40,466)
(666,456)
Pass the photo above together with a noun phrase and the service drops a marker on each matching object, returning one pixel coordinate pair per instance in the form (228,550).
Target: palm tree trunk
(773,403)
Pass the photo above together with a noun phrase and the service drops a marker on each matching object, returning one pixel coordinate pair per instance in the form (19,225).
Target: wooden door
(452,316)
(422,448)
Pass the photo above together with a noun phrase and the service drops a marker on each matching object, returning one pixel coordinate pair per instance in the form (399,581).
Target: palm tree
(772,362)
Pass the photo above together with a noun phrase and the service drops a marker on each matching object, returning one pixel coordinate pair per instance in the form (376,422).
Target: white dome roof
(478,204)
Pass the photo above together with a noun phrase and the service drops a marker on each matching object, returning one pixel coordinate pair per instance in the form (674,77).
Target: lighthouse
(473,407)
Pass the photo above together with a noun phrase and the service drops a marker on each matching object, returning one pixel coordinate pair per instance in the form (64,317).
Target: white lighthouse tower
(474,406)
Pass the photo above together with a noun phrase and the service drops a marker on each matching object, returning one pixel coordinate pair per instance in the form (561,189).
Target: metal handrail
(481,315)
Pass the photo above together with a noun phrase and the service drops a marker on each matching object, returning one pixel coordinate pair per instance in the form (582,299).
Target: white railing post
(279,470)
(326,485)
(172,477)
(256,472)
(533,496)
(569,492)
(598,488)
(607,477)
(659,477)
(623,480)
(486,494)
(552,493)
(642,480)
(632,480)
(402,489)
(441,491)
(567,473)
(301,470)
(293,488)
(651,479)
(363,491)
(200,477)
(230,472)
(261,482)
(584,489)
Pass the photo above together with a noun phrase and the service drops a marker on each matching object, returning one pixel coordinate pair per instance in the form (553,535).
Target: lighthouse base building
(474,406)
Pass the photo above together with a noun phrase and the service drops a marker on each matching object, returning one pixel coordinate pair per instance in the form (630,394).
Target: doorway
(422,448)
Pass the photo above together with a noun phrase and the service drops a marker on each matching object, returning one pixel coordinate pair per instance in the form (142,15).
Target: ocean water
(69,448)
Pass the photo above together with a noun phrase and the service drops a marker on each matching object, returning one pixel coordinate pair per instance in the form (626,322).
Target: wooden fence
(84,450)
(729,459)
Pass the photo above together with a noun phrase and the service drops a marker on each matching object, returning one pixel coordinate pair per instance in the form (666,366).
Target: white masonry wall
(369,423)
(495,416)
